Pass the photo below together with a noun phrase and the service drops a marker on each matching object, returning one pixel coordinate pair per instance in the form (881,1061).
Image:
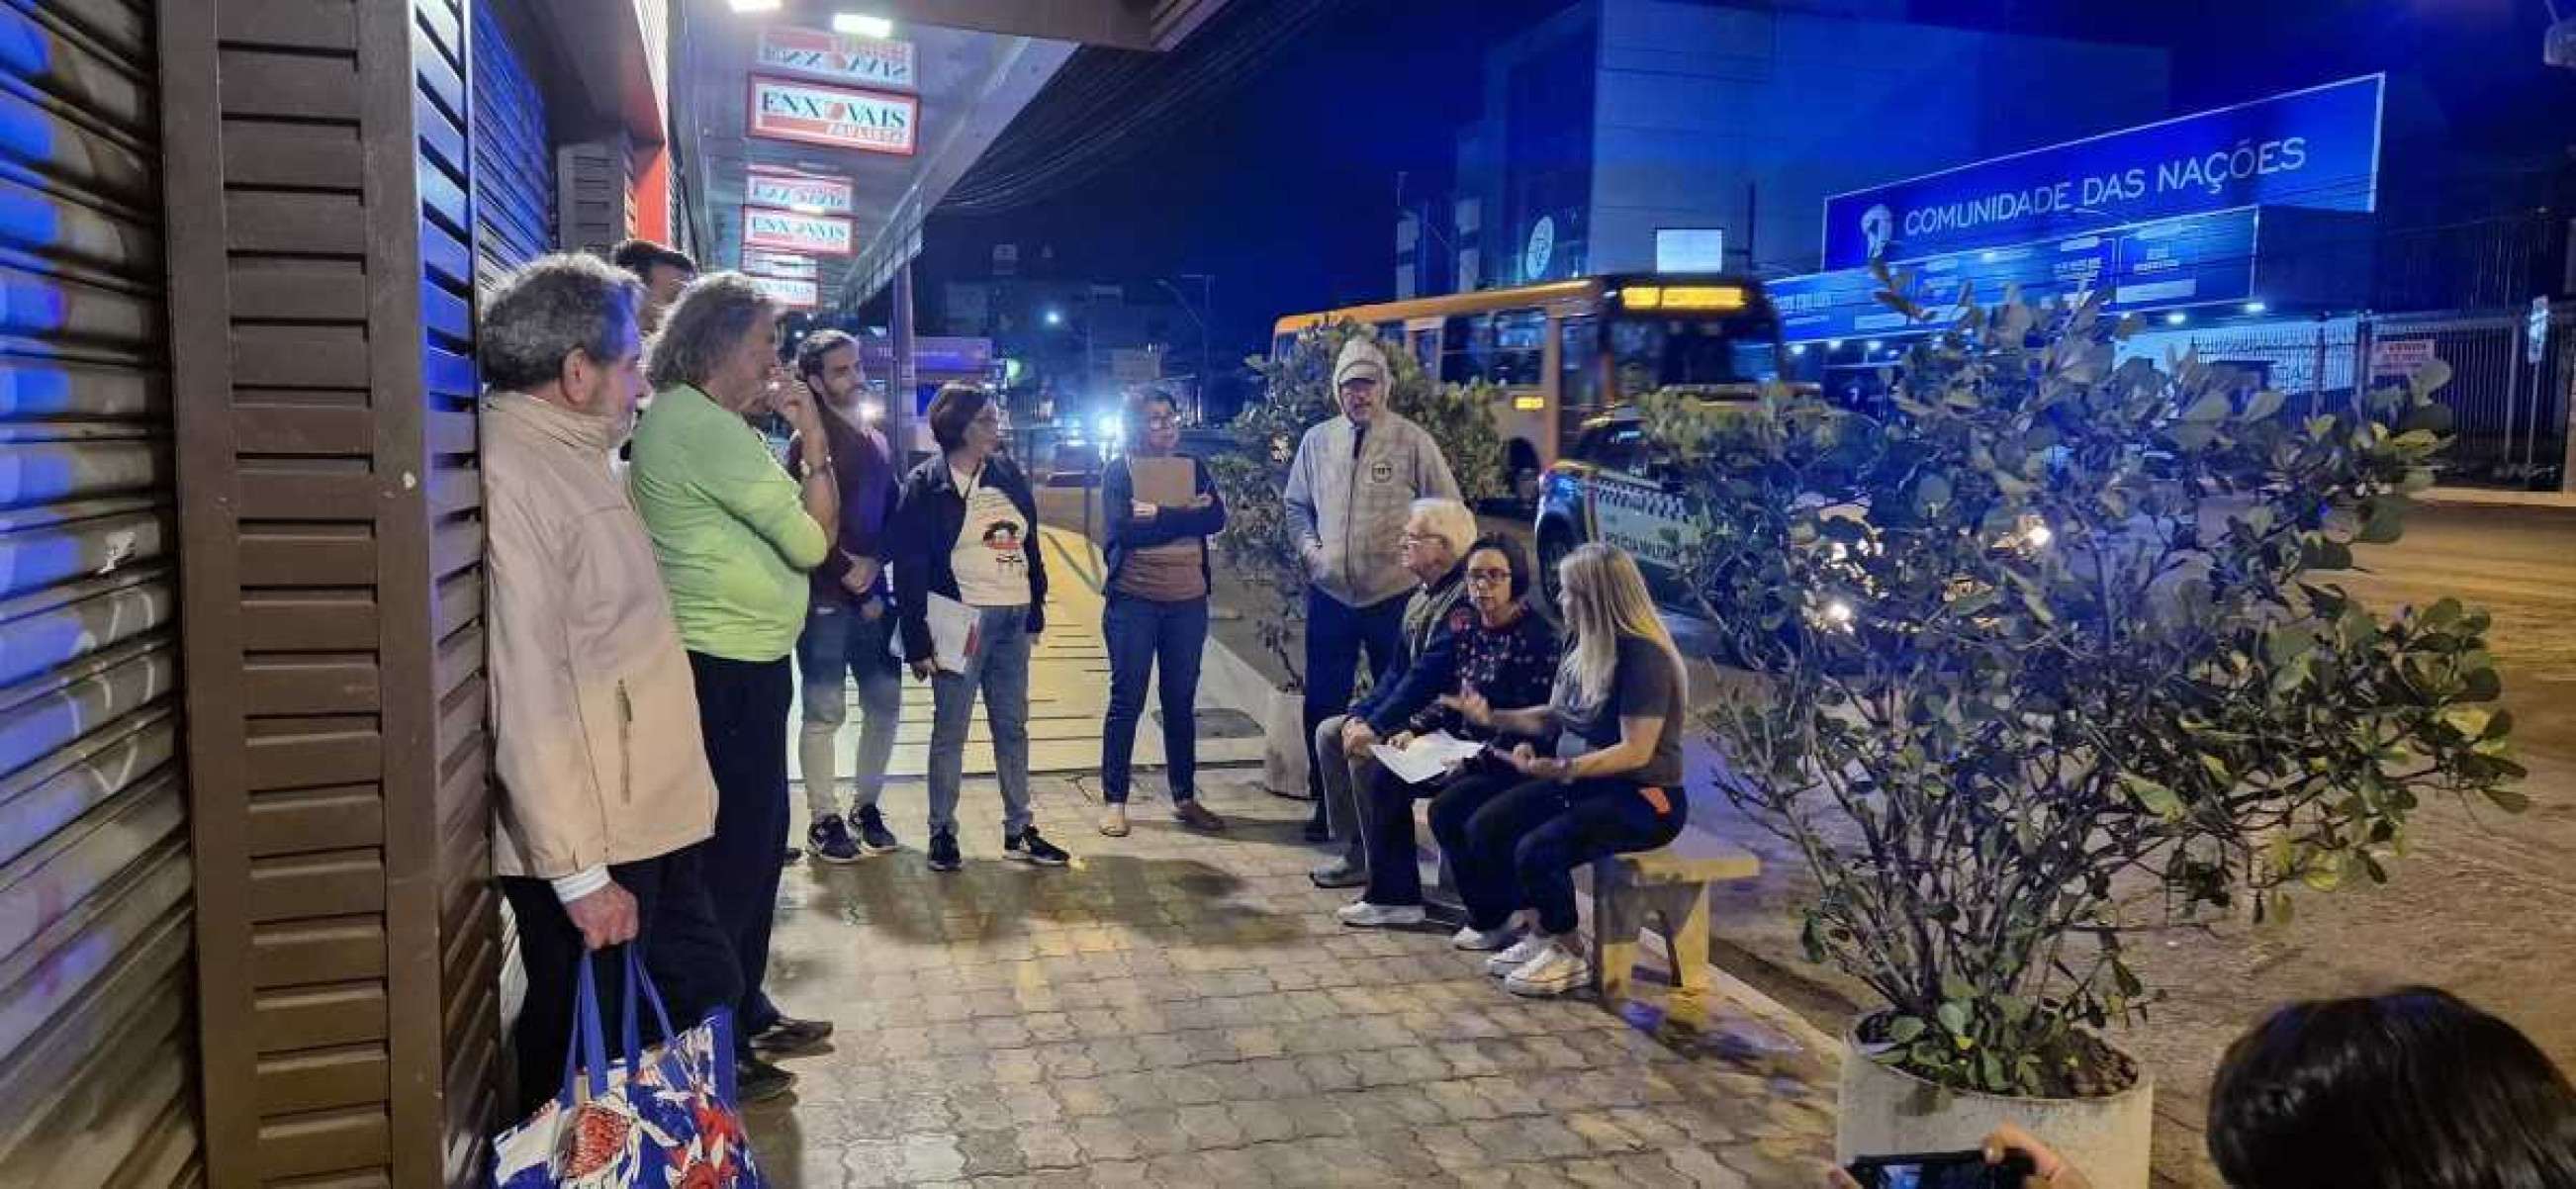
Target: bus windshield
(1713,354)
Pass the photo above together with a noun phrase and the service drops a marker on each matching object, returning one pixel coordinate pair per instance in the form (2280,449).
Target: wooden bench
(1669,886)
(1628,892)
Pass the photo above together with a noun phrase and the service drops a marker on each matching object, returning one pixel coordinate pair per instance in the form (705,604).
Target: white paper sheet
(1428,758)
(952,634)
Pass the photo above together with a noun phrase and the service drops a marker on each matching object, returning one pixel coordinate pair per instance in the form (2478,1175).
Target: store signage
(797,192)
(1542,247)
(931,355)
(781,264)
(837,117)
(817,235)
(2396,359)
(794,294)
(2192,260)
(2316,148)
(842,57)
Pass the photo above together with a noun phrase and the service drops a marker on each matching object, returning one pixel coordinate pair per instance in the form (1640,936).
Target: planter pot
(1888,1111)
(1283,752)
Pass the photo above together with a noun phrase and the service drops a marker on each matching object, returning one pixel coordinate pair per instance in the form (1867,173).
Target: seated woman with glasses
(1499,647)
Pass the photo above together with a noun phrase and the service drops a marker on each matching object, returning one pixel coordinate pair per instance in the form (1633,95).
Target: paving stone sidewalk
(1183,1010)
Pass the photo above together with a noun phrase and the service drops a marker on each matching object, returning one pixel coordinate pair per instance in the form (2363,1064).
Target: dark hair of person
(952,410)
(555,306)
(810,353)
(638,256)
(1514,557)
(2409,1090)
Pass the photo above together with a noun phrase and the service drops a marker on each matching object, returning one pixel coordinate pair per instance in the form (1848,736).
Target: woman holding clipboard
(1162,506)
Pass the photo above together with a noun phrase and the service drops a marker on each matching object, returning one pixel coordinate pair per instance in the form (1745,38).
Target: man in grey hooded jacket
(1349,491)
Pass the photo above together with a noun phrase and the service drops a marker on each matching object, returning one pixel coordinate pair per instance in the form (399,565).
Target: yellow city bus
(1567,350)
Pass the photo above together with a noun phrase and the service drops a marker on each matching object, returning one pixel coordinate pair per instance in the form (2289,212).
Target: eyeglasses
(1410,537)
(1161,421)
(1489,577)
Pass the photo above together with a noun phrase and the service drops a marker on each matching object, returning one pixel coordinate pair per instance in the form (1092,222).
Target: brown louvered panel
(450,431)
(279,289)
(294,24)
(322,1141)
(459,602)
(309,754)
(453,490)
(341,1013)
(316,820)
(291,684)
(287,887)
(317,950)
(454,546)
(278,490)
(274,153)
(308,555)
(460,656)
(368,1178)
(293,620)
(298,223)
(460,716)
(258,82)
(315,1078)
(300,356)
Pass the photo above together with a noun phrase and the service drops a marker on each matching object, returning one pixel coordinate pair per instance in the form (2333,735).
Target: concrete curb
(2481,498)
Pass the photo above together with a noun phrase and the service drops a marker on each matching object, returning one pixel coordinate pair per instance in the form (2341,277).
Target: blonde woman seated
(1621,690)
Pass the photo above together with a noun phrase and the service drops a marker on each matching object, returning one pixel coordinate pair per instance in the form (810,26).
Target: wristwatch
(810,465)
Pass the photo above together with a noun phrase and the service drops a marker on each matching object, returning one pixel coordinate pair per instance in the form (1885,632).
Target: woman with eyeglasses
(1621,690)
(1498,648)
(966,530)
(1156,611)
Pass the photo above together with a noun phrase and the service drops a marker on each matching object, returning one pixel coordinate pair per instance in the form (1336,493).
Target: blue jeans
(1138,631)
(840,644)
(1336,634)
(1000,671)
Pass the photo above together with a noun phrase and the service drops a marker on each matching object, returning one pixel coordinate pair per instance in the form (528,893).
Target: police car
(1606,486)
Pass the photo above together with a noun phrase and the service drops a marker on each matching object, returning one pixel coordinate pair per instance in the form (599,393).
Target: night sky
(1282,182)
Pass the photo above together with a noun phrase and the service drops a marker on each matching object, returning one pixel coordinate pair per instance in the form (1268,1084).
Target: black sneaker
(829,839)
(755,1080)
(1027,847)
(791,1037)
(943,851)
(874,838)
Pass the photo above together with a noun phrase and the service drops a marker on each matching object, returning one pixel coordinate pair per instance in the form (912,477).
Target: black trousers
(1394,876)
(1519,847)
(742,711)
(687,954)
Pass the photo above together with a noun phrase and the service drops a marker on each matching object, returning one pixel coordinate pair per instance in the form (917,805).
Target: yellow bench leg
(1682,910)
(1615,921)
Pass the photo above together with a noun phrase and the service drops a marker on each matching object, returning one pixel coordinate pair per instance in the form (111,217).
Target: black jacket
(1128,534)
(927,519)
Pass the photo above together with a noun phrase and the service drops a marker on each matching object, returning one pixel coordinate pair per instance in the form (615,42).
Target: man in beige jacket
(606,792)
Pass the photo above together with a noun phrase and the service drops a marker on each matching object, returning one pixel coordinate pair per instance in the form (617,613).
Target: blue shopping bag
(663,1117)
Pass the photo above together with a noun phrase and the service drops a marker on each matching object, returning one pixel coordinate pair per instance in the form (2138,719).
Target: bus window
(1426,348)
(1281,345)
(1508,347)
(1578,362)
(1686,353)
(1389,333)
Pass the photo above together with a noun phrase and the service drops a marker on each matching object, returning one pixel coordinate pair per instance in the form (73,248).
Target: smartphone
(1940,1170)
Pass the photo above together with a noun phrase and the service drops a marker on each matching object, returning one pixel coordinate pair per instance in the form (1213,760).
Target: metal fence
(2511,416)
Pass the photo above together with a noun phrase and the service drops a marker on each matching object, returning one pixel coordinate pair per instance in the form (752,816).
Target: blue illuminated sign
(2191,260)
(2316,148)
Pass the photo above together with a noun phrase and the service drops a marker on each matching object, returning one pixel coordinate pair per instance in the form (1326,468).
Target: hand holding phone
(1941,1170)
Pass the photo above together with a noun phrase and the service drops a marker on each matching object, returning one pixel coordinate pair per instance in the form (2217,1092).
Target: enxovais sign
(794,294)
(811,113)
(800,192)
(2316,148)
(780,264)
(842,57)
(818,235)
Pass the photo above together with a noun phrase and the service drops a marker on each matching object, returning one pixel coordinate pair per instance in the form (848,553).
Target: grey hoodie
(1348,512)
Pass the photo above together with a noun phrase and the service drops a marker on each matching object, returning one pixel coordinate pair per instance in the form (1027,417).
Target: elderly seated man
(1434,550)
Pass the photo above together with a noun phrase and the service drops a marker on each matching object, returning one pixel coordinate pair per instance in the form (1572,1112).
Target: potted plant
(2050,650)
(1259,546)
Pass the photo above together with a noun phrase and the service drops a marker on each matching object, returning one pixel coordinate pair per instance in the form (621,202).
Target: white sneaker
(1472,938)
(1503,964)
(1554,972)
(1365,915)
